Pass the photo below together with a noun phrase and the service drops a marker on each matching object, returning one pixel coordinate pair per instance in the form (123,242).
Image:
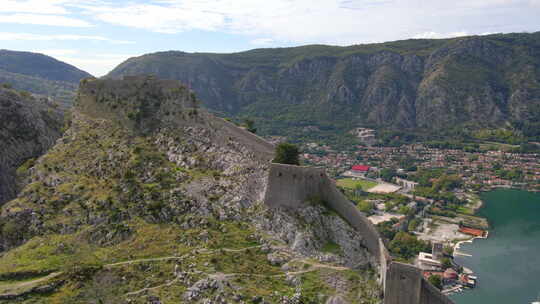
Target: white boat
(537,300)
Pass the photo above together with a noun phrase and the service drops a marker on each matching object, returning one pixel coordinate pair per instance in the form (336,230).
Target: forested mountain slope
(40,74)
(431,86)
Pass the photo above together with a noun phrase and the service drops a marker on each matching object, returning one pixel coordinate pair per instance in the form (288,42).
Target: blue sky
(97,35)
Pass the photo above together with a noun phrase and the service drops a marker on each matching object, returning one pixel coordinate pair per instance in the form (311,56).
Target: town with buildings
(479,170)
(423,200)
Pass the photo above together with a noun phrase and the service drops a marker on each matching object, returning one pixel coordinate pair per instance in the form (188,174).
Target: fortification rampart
(263,149)
(293,186)
(143,104)
(405,284)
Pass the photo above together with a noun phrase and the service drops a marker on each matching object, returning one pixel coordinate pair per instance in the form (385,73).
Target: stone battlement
(295,186)
(142,103)
(292,186)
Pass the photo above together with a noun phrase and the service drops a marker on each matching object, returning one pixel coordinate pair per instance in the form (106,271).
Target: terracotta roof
(472,231)
(450,274)
(361,168)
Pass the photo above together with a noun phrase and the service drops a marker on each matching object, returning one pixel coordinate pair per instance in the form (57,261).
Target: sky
(97,35)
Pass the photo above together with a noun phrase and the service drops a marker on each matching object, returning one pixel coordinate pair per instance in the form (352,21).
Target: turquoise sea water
(508,262)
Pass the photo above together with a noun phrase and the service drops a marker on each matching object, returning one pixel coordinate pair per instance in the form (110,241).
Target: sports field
(351,183)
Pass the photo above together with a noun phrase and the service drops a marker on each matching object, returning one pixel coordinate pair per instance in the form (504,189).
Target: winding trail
(197,251)
(314,266)
(21,287)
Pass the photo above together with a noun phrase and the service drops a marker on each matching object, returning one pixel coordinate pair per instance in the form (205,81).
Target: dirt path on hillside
(314,266)
(20,287)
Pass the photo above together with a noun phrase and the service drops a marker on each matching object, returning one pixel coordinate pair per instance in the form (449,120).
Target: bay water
(507,263)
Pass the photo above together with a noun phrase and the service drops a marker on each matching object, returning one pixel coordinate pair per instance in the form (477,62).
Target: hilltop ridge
(136,208)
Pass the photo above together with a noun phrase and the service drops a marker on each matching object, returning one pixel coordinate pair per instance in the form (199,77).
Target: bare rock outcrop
(28,128)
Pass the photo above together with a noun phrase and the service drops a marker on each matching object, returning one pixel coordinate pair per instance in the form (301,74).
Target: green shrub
(287,154)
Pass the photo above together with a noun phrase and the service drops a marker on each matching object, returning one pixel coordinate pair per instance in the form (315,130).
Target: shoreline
(486,258)
(457,246)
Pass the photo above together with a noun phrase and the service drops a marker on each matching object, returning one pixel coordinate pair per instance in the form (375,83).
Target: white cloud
(95,64)
(158,18)
(33,6)
(285,20)
(52,7)
(435,35)
(318,21)
(262,41)
(38,19)
(6,36)
(262,22)
(57,52)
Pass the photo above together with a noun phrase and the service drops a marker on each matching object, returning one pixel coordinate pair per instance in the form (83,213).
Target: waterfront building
(437,250)
(450,276)
(426,261)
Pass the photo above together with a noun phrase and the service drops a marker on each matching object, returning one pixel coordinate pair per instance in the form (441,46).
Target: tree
(358,190)
(446,263)
(365,206)
(287,153)
(406,246)
(413,224)
(436,281)
(387,174)
(250,125)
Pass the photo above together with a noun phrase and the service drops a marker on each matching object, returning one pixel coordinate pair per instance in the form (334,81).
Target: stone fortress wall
(167,102)
(405,284)
(293,186)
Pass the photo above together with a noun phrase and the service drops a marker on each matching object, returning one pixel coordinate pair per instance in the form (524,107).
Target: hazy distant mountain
(40,74)
(421,85)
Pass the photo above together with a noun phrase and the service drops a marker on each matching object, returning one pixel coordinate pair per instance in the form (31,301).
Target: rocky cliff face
(147,198)
(415,84)
(28,128)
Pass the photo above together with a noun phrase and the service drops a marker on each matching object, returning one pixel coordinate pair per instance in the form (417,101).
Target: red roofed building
(361,168)
(450,275)
(472,231)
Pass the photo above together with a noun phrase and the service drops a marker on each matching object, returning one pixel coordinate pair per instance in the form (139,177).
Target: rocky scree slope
(419,85)
(28,128)
(148,199)
(40,74)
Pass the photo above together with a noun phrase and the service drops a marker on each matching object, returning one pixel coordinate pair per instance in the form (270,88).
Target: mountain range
(441,86)
(469,88)
(40,74)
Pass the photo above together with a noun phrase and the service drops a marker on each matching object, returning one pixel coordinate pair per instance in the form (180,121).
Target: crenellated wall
(294,186)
